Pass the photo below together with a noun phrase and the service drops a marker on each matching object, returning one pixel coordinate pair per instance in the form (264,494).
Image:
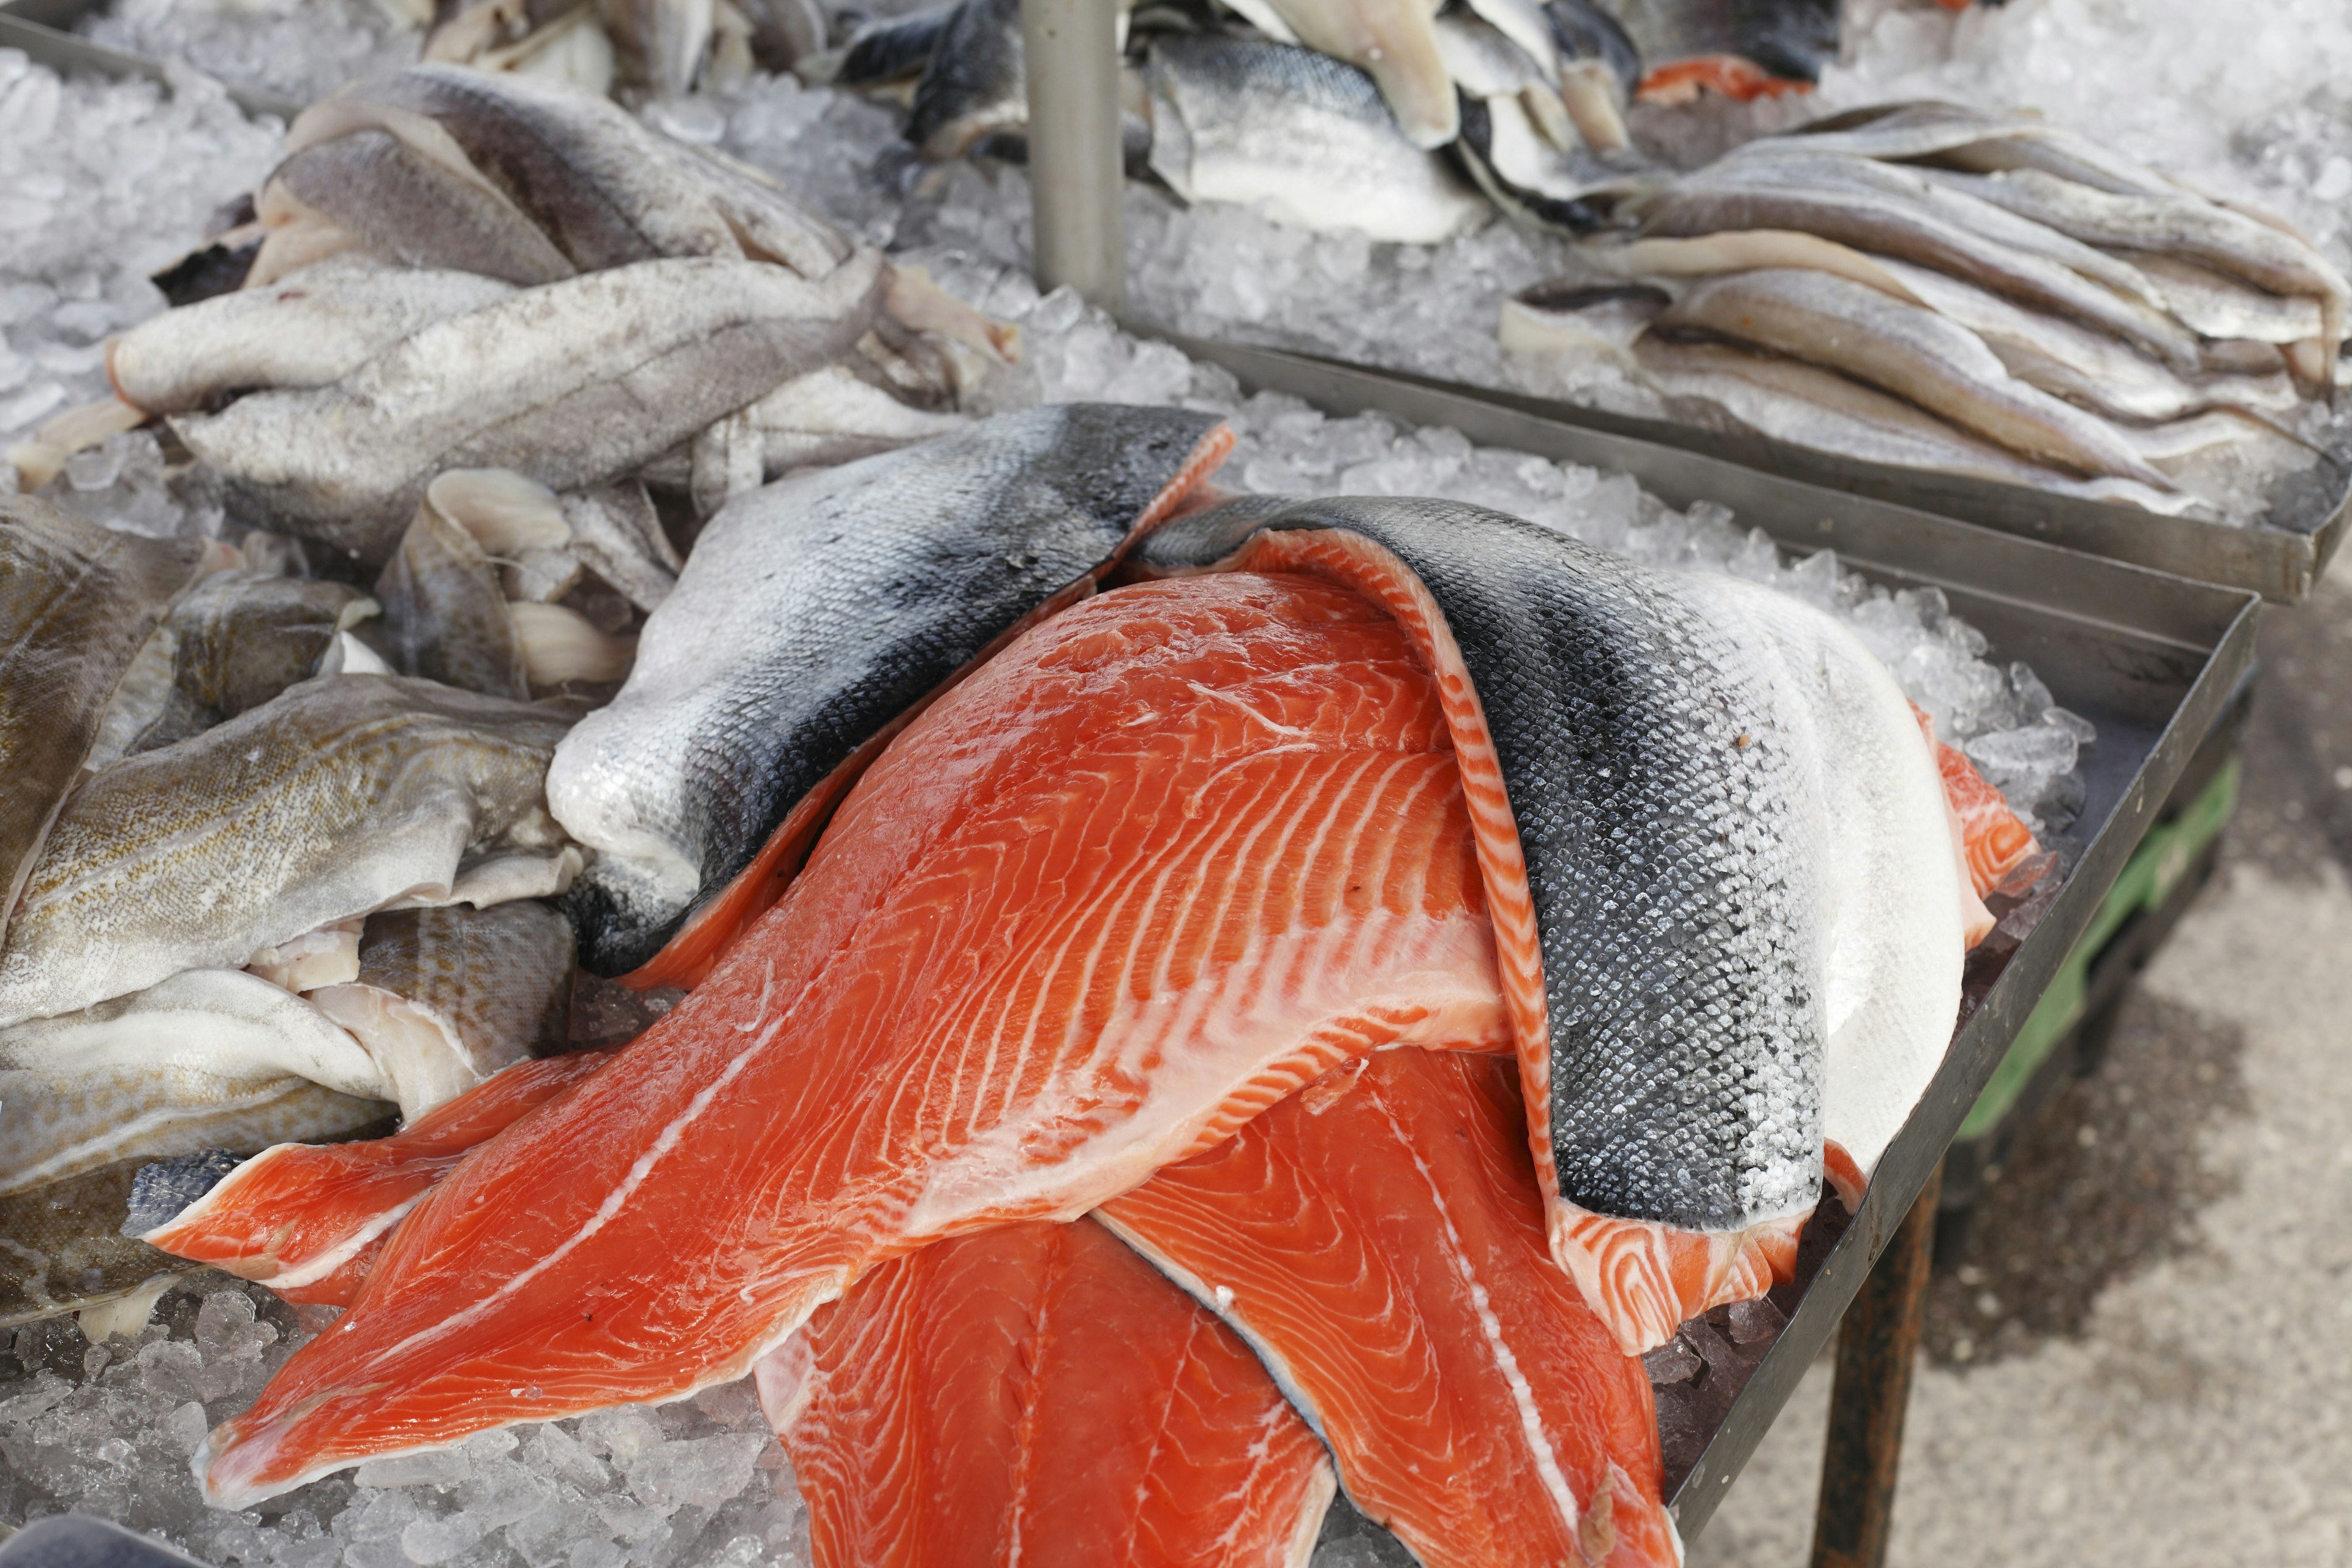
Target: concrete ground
(2144,1353)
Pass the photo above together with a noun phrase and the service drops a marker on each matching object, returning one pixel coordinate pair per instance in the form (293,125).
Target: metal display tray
(2152,659)
(2279,561)
(44,29)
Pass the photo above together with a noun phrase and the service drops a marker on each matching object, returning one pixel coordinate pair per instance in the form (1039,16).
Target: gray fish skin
(1395,42)
(412,209)
(616,534)
(240,639)
(893,48)
(345,795)
(1791,39)
(502,977)
(814,615)
(573,385)
(1956,136)
(1860,219)
(832,416)
(445,613)
(78,602)
(309,329)
(1912,352)
(2223,308)
(1655,792)
(605,189)
(1255,123)
(974,81)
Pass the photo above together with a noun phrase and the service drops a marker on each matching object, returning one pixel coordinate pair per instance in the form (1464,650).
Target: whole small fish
(309,329)
(1299,133)
(345,795)
(574,384)
(78,602)
(1915,353)
(814,617)
(1956,136)
(446,997)
(238,640)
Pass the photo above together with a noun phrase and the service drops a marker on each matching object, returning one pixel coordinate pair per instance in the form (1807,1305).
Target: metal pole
(1076,180)
(1877,1344)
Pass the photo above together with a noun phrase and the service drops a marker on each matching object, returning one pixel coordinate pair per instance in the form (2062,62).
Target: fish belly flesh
(78,602)
(1171,855)
(308,1219)
(1036,1394)
(814,616)
(346,795)
(1379,1240)
(1650,755)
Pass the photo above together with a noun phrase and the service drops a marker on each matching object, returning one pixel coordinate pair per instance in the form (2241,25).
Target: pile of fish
(661,48)
(1930,287)
(1137,937)
(1397,117)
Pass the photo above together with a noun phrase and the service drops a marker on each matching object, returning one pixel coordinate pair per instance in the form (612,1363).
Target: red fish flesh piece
(1379,1238)
(1036,1394)
(308,1219)
(1169,856)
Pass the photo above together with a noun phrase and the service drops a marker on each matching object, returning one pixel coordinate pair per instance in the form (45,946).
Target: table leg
(1876,1345)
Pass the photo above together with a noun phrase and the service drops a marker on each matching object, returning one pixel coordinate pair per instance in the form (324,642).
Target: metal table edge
(1975,1053)
(2283,563)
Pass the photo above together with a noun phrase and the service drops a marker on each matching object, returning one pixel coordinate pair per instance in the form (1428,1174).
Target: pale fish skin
(78,603)
(1913,352)
(346,795)
(314,327)
(211,1059)
(1300,135)
(444,998)
(1396,42)
(574,384)
(409,206)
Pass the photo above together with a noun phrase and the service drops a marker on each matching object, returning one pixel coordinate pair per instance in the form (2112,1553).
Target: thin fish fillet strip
(1037,1394)
(1379,1238)
(1169,856)
(308,1220)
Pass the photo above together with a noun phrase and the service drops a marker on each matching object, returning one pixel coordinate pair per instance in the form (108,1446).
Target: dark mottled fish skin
(1792,39)
(606,190)
(1653,797)
(1586,32)
(445,615)
(815,613)
(407,208)
(501,976)
(893,49)
(67,1250)
(975,82)
(243,637)
(77,601)
(161,1192)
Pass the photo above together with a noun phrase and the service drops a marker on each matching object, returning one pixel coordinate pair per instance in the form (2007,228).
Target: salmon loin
(1169,856)
(1037,1394)
(308,1219)
(1379,1238)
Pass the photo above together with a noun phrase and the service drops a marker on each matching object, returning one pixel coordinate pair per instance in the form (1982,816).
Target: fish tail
(1644,1280)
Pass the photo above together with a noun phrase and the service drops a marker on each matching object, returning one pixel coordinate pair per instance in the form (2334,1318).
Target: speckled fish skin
(574,384)
(815,614)
(501,976)
(241,637)
(312,328)
(413,209)
(1235,120)
(77,604)
(1910,351)
(66,1252)
(1638,749)
(605,189)
(345,795)
(445,615)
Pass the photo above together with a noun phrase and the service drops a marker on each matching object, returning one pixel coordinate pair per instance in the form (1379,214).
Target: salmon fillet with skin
(1169,856)
(1036,1394)
(308,1219)
(1379,1238)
